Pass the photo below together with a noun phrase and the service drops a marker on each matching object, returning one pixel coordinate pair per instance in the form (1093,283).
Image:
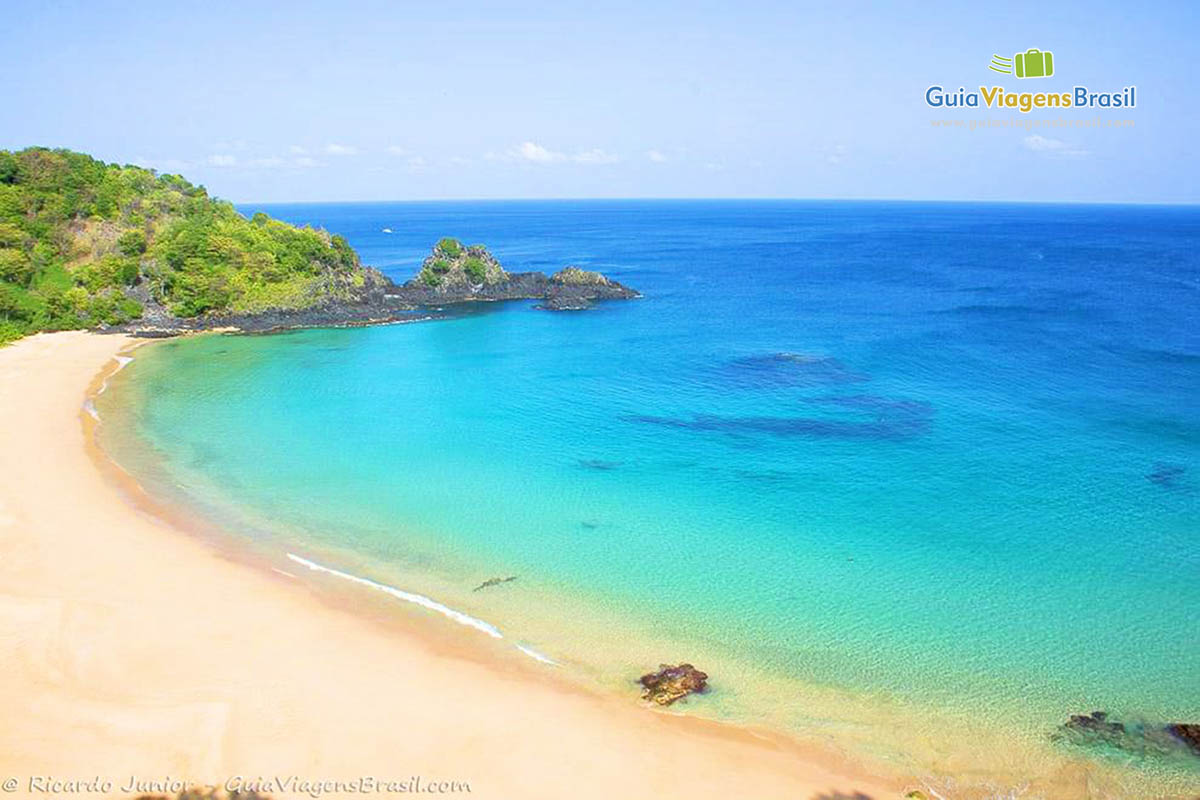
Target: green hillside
(84,243)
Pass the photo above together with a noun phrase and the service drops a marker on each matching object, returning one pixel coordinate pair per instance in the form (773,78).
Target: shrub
(451,247)
(132,243)
(15,267)
(475,269)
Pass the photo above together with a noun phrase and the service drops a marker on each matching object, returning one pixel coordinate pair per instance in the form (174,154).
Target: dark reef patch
(789,369)
(1165,474)
(600,464)
(878,418)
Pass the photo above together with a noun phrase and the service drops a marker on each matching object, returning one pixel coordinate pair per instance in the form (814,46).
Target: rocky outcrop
(457,273)
(454,268)
(452,273)
(672,683)
(574,289)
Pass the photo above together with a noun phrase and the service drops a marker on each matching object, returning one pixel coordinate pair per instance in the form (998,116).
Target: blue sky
(399,100)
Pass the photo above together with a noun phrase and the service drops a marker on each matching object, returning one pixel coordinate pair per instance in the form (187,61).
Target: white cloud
(459,160)
(837,155)
(595,156)
(267,163)
(340,150)
(537,154)
(222,160)
(307,161)
(1055,147)
(417,162)
(396,150)
(297,150)
(656,156)
(531,151)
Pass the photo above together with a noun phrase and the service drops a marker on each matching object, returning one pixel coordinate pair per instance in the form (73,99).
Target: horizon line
(758,199)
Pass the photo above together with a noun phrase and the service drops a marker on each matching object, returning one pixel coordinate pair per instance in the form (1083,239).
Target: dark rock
(672,683)
(1188,733)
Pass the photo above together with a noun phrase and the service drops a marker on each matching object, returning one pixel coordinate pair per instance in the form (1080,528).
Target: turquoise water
(934,454)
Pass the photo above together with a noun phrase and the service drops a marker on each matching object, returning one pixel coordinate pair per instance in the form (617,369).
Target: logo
(1033,63)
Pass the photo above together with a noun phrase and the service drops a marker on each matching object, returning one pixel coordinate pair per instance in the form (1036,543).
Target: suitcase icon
(1034,63)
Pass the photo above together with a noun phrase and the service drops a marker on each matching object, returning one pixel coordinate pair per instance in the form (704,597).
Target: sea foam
(409,597)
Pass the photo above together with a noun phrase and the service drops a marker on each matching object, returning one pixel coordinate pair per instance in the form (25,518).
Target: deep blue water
(944,453)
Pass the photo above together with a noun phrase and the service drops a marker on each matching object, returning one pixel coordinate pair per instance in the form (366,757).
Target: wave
(460,617)
(536,656)
(408,597)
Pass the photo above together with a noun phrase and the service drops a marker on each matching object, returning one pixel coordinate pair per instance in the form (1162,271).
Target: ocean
(914,480)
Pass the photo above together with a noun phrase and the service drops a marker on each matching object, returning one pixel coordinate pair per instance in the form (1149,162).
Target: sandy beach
(131,650)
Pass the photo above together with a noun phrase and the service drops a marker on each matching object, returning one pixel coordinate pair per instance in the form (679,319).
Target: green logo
(1033,63)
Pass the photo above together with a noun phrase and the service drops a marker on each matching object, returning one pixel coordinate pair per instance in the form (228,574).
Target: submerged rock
(1133,736)
(672,683)
(1095,726)
(599,464)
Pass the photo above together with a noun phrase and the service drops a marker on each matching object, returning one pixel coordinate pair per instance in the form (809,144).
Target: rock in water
(1187,733)
(458,273)
(671,683)
(1096,725)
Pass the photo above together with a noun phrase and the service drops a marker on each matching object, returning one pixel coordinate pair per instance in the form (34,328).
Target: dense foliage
(85,243)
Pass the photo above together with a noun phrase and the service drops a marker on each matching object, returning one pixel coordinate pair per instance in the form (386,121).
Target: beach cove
(132,648)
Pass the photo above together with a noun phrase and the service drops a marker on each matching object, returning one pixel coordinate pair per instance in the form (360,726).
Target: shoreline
(102,669)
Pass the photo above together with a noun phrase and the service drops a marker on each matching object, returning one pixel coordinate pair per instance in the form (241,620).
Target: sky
(297,101)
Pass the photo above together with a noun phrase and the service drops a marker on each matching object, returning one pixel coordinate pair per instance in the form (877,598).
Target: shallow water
(865,458)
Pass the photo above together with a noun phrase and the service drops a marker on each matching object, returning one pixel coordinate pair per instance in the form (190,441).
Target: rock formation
(672,683)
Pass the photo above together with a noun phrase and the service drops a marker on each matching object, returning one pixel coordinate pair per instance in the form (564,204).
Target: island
(88,244)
